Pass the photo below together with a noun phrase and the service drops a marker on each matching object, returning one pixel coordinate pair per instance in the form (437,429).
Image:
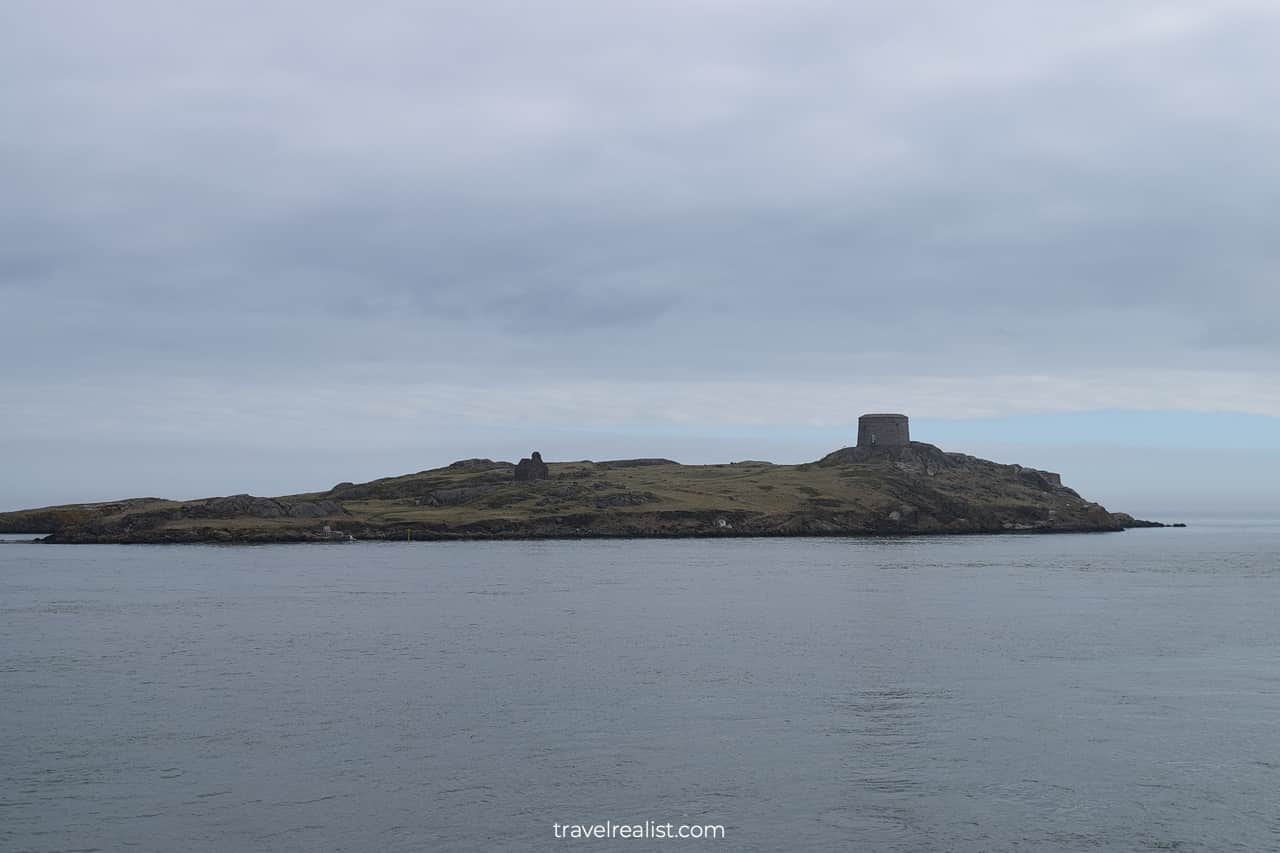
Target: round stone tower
(883,431)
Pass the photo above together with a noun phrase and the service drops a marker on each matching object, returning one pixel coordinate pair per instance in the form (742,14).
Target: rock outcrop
(634,463)
(239,506)
(915,457)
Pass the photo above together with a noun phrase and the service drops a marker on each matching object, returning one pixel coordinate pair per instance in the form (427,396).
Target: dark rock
(455,496)
(635,463)
(916,457)
(532,469)
(241,505)
(1043,480)
(1129,521)
(570,490)
(313,509)
(475,465)
(625,499)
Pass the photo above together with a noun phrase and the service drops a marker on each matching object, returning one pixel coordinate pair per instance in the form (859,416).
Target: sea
(1088,692)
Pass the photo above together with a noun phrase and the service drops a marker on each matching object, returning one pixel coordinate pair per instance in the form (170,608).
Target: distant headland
(886,484)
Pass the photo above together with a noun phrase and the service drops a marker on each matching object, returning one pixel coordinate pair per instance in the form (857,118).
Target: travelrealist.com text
(648,829)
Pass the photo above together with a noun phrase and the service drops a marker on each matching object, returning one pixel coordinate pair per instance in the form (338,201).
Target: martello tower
(883,430)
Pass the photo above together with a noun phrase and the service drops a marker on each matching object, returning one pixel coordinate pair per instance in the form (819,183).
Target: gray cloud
(293,197)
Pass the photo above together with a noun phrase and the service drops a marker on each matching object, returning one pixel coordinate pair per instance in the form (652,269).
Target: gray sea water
(1110,692)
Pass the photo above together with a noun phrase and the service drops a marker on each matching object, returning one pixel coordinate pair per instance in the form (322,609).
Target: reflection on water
(1105,692)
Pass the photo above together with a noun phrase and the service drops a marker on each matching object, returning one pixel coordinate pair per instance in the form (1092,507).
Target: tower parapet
(883,430)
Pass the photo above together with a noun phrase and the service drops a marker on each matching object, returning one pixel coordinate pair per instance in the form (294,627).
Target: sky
(270,246)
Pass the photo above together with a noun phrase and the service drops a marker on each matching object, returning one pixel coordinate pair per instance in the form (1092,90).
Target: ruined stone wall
(532,468)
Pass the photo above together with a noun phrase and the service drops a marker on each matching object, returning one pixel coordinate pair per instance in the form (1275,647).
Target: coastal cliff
(914,488)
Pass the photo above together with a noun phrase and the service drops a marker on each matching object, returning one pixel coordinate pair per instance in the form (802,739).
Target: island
(885,485)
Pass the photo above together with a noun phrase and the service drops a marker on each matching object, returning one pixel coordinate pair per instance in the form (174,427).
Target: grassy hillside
(912,489)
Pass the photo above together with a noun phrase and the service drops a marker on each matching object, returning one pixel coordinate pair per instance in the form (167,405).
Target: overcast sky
(269,246)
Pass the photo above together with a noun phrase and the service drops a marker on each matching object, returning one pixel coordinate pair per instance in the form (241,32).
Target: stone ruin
(531,469)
